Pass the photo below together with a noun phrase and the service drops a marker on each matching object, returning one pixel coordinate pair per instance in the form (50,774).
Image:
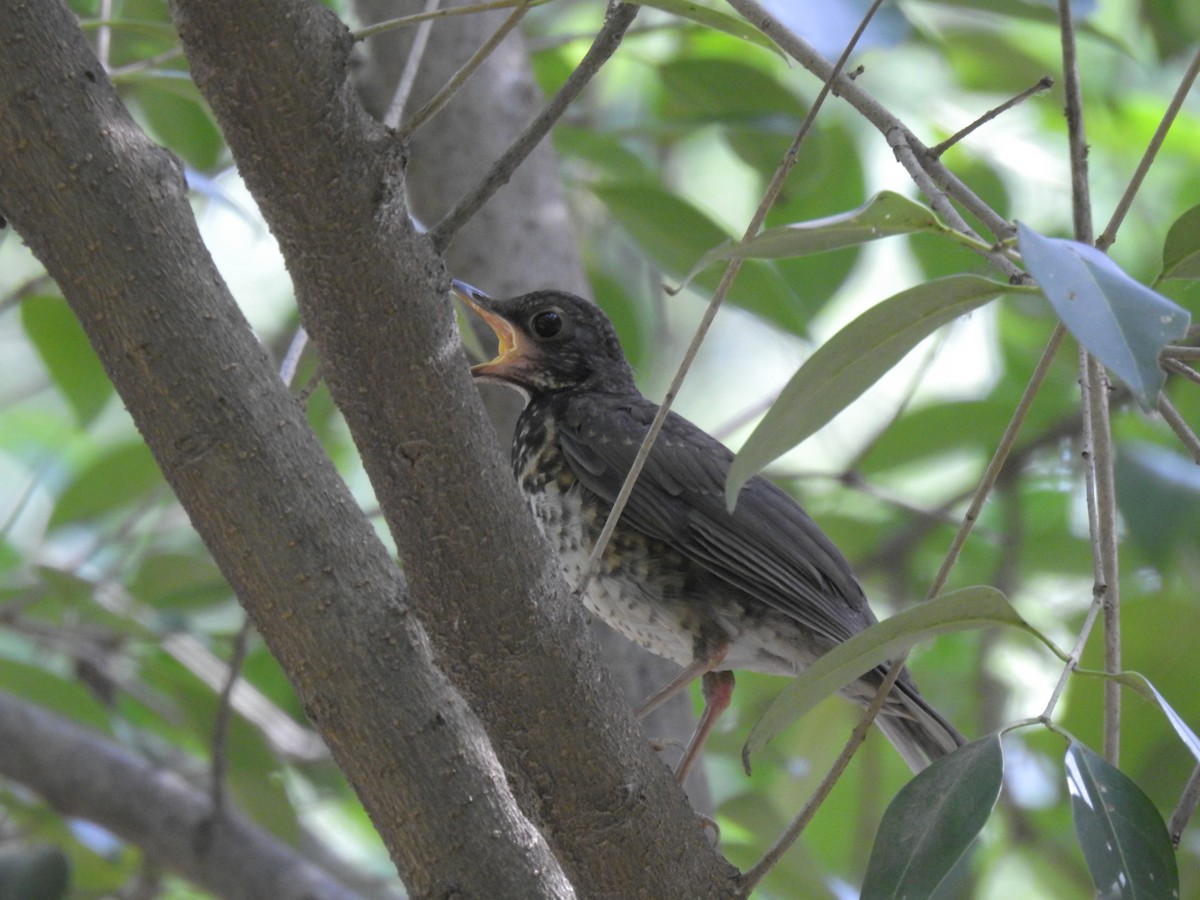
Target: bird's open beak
(515,349)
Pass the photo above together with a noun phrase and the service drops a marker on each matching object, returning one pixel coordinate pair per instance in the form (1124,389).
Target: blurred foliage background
(112,613)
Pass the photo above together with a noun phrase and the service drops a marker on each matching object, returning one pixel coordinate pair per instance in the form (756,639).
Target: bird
(760,588)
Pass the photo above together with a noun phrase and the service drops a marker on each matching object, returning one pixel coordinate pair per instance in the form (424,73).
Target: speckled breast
(637,589)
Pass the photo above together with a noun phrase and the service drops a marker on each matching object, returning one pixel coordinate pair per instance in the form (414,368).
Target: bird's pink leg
(717,690)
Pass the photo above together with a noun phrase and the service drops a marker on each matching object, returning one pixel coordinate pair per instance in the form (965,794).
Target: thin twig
(459,78)
(1109,235)
(104,33)
(1081,204)
(1171,416)
(412,65)
(1185,808)
(378,28)
(872,110)
(291,359)
(220,755)
(25,289)
(1175,367)
(751,877)
(1044,84)
(1107,503)
(902,144)
(992,473)
(710,313)
(854,480)
(291,365)
(617,20)
(1102,522)
(1175,351)
(142,65)
(22,502)
(1089,622)
(1094,383)
(923,367)
(745,417)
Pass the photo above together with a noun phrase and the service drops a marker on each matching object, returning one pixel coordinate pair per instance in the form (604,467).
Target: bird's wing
(768,547)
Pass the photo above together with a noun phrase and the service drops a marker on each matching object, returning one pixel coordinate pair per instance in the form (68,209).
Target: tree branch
(81,774)
(620,16)
(895,131)
(107,213)
(330,182)
(1109,234)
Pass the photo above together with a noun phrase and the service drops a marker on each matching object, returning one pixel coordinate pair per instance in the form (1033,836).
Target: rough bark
(106,211)
(482,580)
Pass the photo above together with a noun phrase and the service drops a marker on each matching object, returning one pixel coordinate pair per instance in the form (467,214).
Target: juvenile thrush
(760,588)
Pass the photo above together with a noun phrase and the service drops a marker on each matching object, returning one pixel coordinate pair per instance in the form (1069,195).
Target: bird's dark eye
(547,323)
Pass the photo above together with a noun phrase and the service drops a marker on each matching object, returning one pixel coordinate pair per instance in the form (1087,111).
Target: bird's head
(549,341)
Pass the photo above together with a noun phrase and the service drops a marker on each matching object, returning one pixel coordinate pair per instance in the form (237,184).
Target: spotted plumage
(760,588)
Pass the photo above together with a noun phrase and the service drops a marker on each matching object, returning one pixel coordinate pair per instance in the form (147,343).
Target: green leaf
(34,873)
(725,90)
(178,117)
(1123,838)
(1140,683)
(1181,250)
(668,229)
(884,215)
(120,477)
(601,150)
(180,582)
(68,597)
(850,362)
(709,18)
(634,322)
(975,607)
(63,694)
(1122,323)
(1158,491)
(931,822)
(67,355)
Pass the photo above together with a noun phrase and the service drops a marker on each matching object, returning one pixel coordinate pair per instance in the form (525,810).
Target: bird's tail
(919,732)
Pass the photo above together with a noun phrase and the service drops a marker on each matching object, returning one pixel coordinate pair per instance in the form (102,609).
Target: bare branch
(1109,235)
(620,16)
(992,473)
(1044,84)
(412,63)
(435,105)
(432,13)
(1102,522)
(1174,351)
(893,130)
(220,760)
(1182,430)
(1080,190)
(1175,367)
(82,774)
(485,590)
(1098,465)
(759,870)
(233,444)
